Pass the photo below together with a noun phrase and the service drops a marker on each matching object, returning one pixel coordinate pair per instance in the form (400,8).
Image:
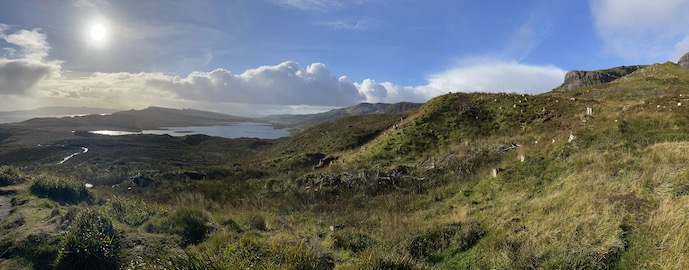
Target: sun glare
(97,32)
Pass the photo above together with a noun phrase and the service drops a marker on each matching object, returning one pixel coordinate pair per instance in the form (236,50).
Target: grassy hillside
(467,181)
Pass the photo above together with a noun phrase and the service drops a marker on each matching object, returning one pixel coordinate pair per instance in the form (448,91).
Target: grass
(9,176)
(91,243)
(60,189)
(399,192)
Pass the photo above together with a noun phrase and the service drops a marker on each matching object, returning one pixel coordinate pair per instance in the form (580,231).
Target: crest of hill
(654,81)
(356,110)
(578,78)
(60,110)
(136,120)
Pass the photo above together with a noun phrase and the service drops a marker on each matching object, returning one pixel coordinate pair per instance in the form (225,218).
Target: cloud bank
(27,75)
(284,84)
(641,30)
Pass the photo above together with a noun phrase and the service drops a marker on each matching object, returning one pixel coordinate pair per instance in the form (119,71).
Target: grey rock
(684,61)
(578,78)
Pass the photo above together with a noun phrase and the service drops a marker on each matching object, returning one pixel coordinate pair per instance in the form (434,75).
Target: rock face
(578,78)
(684,61)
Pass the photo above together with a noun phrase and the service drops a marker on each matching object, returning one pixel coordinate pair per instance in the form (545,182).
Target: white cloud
(345,24)
(490,75)
(311,5)
(289,84)
(640,29)
(285,84)
(470,75)
(27,65)
(30,77)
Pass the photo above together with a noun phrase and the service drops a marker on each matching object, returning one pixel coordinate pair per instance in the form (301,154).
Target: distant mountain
(59,111)
(136,120)
(356,110)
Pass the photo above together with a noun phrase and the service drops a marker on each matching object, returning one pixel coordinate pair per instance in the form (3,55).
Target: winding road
(83,149)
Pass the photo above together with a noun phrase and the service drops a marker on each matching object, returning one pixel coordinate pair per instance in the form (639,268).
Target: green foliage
(351,240)
(190,224)
(376,261)
(444,240)
(60,189)
(250,252)
(131,211)
(91,243)
(9,176)
(258,222)
(41,249)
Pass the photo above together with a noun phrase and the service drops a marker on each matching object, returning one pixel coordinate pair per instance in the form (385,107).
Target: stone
(684,61)
(579,78)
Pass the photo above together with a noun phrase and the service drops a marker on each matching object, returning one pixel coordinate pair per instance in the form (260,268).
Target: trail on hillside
(5,205)
(83,151)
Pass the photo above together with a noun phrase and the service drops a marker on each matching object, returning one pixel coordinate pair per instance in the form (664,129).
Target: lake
(234,130)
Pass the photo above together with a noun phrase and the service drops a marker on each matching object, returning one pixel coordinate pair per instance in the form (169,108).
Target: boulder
(684,61)
(579,78)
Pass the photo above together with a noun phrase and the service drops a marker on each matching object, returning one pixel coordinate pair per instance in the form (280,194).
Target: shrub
(445,239)
(59,189)
(258,222)
(9,176)
(41,249)
(354,241)
(188,224)
(384,262)
(91,243)
(130,212)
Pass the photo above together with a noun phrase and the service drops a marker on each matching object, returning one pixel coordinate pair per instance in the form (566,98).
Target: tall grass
(60,189)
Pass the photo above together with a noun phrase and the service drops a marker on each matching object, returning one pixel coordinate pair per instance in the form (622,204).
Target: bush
(189,224)
(385,262)
(443,240)
(9,176)
(130,212)
(354,241)
(59,189)
(41,249)
(91,243)
(258,222)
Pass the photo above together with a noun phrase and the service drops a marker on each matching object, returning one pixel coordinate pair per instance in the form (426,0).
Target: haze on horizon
(294,56)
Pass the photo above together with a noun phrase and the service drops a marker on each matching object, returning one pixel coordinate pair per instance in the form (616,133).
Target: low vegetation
(467,181)
(60,189)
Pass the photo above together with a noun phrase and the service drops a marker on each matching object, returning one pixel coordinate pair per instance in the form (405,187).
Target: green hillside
(592,178)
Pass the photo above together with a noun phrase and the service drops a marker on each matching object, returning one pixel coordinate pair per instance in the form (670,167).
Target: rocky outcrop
(578,78)
(684,61)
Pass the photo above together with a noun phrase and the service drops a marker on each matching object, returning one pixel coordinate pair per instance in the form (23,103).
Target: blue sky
(274,56)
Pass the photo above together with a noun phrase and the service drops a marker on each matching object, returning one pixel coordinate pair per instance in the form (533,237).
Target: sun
(97,32)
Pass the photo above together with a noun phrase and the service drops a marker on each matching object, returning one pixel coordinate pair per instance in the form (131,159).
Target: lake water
(235,130)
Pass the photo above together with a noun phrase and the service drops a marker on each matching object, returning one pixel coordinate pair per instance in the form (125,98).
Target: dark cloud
(20,76)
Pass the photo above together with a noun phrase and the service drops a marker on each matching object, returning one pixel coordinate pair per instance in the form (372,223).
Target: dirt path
(5,206)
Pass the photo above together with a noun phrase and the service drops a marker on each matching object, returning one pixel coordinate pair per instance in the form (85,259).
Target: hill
(578,78)
(58,110)
(134,120)
(590,178)
(356,110)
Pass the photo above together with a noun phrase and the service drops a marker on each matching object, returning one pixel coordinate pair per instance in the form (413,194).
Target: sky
(254,57)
